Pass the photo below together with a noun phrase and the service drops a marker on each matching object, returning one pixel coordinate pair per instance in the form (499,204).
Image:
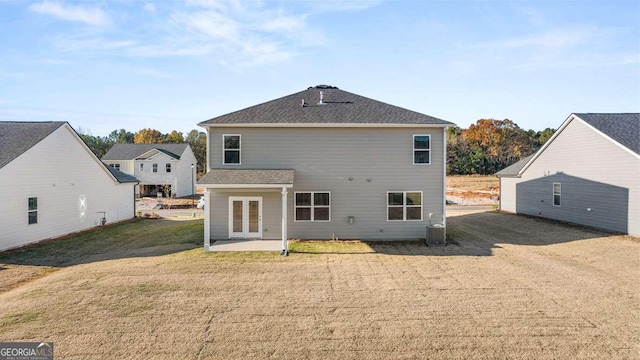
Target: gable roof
(514,169)
(16,137)
(623,128)
(133,151)
(334,106)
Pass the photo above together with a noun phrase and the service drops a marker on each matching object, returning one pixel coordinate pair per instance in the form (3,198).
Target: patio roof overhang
(247,178)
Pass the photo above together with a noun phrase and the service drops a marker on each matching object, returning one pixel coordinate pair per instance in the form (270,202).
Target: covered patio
(234,200)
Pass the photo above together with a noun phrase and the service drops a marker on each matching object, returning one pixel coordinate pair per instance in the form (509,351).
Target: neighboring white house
(52,184)
(324,163)
(156,166)
(588,173)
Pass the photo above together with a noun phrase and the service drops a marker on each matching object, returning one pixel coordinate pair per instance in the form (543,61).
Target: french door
(245,217)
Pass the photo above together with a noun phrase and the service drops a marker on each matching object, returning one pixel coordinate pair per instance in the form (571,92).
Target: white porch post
(285,247)
(207,220)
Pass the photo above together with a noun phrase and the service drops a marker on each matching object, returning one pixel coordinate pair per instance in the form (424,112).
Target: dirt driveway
(513,287)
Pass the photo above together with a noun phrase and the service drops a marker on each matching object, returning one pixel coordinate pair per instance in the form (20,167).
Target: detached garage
(588,173)
(51,184)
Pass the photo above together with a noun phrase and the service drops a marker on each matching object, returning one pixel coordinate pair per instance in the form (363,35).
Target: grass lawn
(513,287)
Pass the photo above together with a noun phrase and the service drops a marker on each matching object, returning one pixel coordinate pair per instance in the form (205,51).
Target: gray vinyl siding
(581,201)
(271,213)
(357,165)
(595,173)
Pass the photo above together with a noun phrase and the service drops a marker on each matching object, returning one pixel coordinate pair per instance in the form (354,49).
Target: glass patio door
(245,217)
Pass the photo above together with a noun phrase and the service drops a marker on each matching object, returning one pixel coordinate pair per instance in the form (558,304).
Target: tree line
(485,148)
(196,139)
(490,145)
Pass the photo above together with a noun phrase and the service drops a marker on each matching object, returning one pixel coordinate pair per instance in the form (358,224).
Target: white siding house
(321,164)
(53,185)
(156,166)
(588,173)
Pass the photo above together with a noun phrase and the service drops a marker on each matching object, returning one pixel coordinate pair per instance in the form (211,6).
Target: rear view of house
(323,163)
(168,169)
(51,184)
(588,173)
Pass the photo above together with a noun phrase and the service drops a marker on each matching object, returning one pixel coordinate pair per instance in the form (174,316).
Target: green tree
(97,144)
(198,142)
(121,136)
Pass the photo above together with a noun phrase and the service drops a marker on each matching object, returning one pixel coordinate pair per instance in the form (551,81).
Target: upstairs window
(231,149)
(155,168)
(313,206)
(141,166)
(168,168)
(421,149)
(404,205)
(557,193)
(33,210)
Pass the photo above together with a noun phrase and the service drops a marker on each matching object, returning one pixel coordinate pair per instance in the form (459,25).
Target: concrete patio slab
(246,245)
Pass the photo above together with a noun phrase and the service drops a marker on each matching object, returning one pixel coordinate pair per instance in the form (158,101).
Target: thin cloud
(284,23)
(573,62)
(554,39)
(150,7)
(89,15)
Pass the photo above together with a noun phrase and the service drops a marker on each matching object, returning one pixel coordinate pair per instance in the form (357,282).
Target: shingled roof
(623,127)
(248,177)
(18,137)
(133,151)
(514,169)
(325,104)
(120,176)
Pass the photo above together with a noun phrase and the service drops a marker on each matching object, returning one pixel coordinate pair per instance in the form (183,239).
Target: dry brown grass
(473,182)
(514,287)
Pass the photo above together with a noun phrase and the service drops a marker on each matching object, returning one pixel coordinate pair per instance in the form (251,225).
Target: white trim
(553,195)
(244,186)
(557,133)
(404,206)
(239,150)
(323,125)
(608,137)
(414,149)
(207,220)
(285,245)
(245,234)
(75,135)
(312,206)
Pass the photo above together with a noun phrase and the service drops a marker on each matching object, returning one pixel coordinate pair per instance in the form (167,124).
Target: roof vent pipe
(303,104)
(321,102)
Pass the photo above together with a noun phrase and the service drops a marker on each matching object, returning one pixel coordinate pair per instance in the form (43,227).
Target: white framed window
(231,149)
(154,168)
(557,193)
(168,167)
(312,206)
(141,166)
(33,210)
(404,206)
(421,149)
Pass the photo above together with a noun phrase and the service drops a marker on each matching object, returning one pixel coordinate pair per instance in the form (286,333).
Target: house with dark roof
(53,185)
(165,169)
(323,163)
(588,173)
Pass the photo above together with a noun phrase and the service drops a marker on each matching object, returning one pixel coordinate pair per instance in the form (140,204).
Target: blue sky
(105,65)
